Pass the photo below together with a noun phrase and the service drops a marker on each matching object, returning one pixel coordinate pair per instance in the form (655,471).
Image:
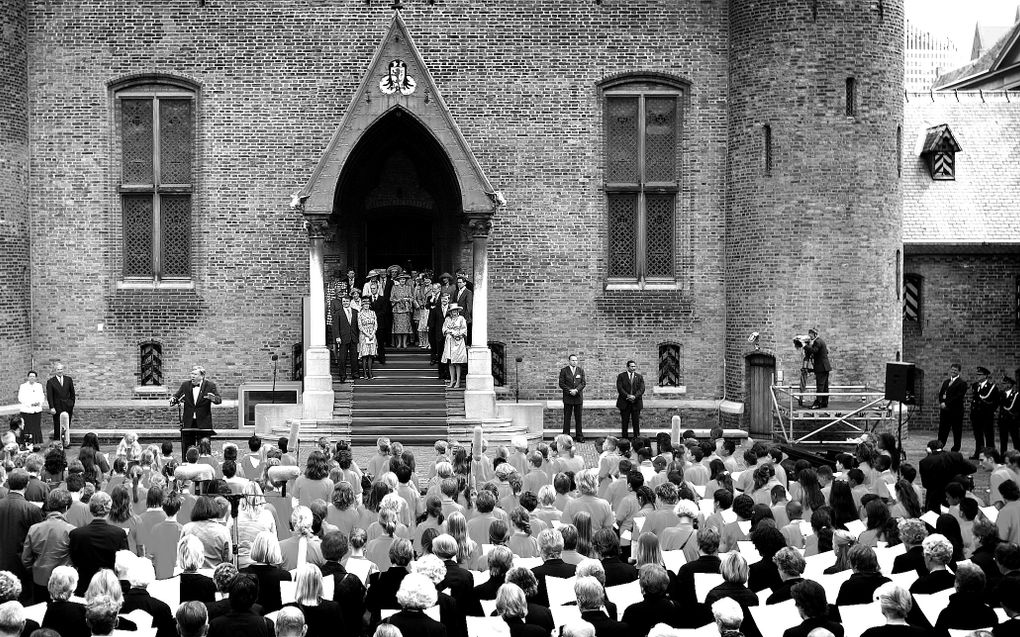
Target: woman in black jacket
(265,568)
(322,616)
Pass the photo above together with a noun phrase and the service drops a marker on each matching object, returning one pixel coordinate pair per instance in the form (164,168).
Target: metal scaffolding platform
(853,410)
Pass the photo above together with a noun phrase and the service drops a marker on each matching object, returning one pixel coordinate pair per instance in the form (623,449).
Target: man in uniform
(951,395)
(1009,426)
(984,403)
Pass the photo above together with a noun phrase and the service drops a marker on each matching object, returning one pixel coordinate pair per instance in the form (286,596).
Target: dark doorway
(398,201)
(759,375)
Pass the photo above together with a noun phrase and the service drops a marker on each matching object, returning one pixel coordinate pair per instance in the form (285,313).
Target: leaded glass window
(156,125)
(642,178)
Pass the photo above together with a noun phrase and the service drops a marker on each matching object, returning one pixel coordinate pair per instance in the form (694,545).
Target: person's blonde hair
(648,550)
(105,584)
(308,585)
(417,592)
(265,549)
(510,602)
(895,601)
(63,581)
(733,568)
(253,502)
(190,553)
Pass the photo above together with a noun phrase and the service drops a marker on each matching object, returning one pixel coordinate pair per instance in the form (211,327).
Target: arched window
(151,363)
(643,122)
(670,365)
(155,135)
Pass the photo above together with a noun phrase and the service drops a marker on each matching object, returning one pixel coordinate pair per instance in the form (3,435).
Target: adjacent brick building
(677,175)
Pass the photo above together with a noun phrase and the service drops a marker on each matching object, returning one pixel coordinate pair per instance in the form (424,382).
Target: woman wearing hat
(368,346)
(447,285)
(455,351)
(401,297)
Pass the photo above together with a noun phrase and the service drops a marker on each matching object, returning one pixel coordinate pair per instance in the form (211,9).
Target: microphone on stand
(275,360)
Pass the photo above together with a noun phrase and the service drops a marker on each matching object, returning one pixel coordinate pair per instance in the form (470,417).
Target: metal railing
(788,400)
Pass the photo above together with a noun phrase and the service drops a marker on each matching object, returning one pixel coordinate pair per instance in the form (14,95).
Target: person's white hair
(520,442)
(589,567)
(589,592)
(301,520)
(290,622)
(122,562)
(63,581)
(431,567)
(389,479)
(387,630)
(392,501)
(938,549)
(104,584)
(727,613)
(895,601)
(190,553)
(416,592)
(12,618)
(588,482)
(141,573)
(820,632)
(510,602)
(550,542)
(445,546)
(579,628)
(686,509)
(663,630)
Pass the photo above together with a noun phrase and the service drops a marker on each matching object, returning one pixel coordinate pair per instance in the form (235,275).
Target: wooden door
(760,373)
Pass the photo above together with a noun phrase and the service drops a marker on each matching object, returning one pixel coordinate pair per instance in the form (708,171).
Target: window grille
(157,139)
(912,288)
(851,97)
(498,363)
(767,142)
(670,365)
(151,363)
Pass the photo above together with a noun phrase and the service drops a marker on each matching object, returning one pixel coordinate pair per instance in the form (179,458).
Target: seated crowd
(655,537)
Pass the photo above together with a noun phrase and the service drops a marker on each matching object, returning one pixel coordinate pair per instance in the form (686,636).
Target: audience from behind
(967,608)
(728,616)
(809,597)
(290,622)
(63,615)
(242,620)
(190,558)
(192,619)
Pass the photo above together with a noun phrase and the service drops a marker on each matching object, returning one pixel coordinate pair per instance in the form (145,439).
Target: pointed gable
(939,152)
(397,78)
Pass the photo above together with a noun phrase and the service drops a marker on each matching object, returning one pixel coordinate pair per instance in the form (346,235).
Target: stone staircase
(405,401)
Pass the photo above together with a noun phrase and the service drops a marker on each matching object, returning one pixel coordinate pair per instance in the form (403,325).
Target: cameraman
(817,351)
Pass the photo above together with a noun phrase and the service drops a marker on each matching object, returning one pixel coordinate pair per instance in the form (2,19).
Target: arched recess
(397,200)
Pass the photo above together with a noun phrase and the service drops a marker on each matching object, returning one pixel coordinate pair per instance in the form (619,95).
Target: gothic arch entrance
(397,201)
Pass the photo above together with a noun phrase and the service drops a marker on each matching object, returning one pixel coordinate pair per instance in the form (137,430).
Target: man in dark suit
(95,545)
(572,383)
(198,396)
(819,353)
(951,396)
(630,389)
(937,470)
(17,516)
(380,304)
(345,331)
(550,542)
(708,562)
(984,404)
(590,600)
(607,544)
(465,298)
(436,341)
(458,579)
(353,281)
(60,396)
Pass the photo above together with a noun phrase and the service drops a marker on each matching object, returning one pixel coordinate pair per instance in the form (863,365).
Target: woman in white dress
(368,346)
(455,350)
(31,397)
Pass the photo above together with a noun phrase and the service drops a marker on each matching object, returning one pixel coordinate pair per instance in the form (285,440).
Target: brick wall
(814,242)
(968,316)
(15,328)
(275,78)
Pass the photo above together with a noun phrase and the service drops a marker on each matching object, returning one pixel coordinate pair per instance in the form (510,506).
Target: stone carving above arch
(397,79)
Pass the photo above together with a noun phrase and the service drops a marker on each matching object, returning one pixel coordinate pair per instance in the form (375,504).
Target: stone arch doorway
(397,201)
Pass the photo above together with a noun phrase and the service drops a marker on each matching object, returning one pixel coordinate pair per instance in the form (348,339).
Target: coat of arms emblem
(397,79)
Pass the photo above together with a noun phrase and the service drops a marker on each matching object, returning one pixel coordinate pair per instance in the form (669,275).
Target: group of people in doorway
(394,308)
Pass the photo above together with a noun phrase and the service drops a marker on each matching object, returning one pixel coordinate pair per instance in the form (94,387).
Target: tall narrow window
(913,286)
(498,363)
(669,365)
(151,363)
(156,124)
(851,97)
(643,120)
(767,142)
(899,151)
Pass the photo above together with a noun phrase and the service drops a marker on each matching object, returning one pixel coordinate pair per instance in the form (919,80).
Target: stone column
(480,393)
(318,393)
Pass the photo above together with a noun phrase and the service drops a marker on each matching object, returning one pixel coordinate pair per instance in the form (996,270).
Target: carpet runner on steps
(405,401)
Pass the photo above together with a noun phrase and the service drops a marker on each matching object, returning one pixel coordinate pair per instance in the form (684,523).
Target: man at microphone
(198,396)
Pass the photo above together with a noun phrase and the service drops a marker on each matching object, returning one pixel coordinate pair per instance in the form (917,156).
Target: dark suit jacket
(162,618)
(436,318)
(243,624)
(624,389)
(16,517)
(198,414)
(518,628)
(763,574)
(966,611)
(912,560)
(488,589)
(642,616)
(937,470)
(382,591)
(684,592)
(933,582)
(570,381)
(781,593)
(94,547)
(416,624)
(618,572)
(859,589)
(953,395)
(805,628)
(222,607)
(604,626)
(462,588)
(554,567)
(464,298)
(60,397)
(348,591)
(346,332)
(67,618)
(381,306)
(820,355)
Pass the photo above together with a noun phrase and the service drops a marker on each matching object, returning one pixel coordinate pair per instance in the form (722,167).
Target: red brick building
(676,176)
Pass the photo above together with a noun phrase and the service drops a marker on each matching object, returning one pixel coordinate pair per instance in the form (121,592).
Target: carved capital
(317,228)
(479,226)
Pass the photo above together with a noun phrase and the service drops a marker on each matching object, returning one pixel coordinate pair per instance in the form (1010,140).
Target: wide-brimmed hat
(403,275)
(452,306)
(374,272)
(394,268)
(445,275)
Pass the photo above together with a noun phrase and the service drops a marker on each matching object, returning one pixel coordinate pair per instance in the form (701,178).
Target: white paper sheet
(36,612)
(748,552)
(167,590)
(488,606)
(805,528)
(932,605)
(904,580)
(815,564)
(930,518)
(557,524)
(707,507)
(674,560)
(140,617)
(527,562)
(886,556)
(704,582)
(860,617)
(776,619)
(700,490)
(486,626)
(560,589)
(272,617)
(991,513)
(624,595)
(563,615)
(744,526)
(639,523)
(728,516)
(856,527)
(832,583)
(480,577)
